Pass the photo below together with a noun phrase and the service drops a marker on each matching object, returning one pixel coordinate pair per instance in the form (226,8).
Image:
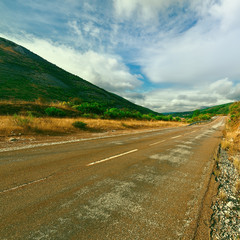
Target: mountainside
(26,76)
(222,109)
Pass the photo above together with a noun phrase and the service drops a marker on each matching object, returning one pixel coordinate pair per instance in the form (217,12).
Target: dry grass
(222,195)
(9,125)
(236,163)
(237,186)
(226,144)
(216,172)
(231,141)
(9,49)
(39,101)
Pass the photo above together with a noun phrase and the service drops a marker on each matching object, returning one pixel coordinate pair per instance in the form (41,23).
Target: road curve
(138,186)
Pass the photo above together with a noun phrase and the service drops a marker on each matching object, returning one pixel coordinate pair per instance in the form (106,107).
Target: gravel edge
(225,220)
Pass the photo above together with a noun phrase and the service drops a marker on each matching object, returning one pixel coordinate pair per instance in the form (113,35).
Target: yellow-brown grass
(236,163)
(9,49)
(222,195)
(39,101)
(237,186)
(47,125)
(231,141)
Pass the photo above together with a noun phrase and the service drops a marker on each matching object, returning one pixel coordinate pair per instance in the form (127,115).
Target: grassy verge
(231,140)
(26,125)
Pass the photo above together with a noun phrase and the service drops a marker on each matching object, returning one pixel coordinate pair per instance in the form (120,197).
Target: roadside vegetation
(231,141)
(60,118)
(204,114)
(231,144)
(24,125)
(198,116)
(225,219)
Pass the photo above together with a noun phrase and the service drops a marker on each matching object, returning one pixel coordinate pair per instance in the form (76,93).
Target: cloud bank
(171,55)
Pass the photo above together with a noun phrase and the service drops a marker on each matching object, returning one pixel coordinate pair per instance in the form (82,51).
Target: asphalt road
(138,186)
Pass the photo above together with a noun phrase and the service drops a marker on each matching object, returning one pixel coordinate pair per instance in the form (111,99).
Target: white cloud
(223,86)
(228,13)
(202,54)
(174,100)
(143,9)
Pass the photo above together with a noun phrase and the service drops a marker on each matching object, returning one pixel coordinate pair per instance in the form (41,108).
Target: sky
(166,55)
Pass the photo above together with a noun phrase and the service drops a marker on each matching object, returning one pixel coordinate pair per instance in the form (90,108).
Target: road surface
(138,186)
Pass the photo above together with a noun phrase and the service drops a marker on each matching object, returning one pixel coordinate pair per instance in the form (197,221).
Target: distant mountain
(26,76)
(214,110)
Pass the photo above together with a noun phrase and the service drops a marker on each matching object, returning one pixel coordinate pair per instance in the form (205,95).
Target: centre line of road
(157,143)
(109,158)
(177,136)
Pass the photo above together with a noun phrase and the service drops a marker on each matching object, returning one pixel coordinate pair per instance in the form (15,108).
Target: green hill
(217,110)
(26,76)
(222,109)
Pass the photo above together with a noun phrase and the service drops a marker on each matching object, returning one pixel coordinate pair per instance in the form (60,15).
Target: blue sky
(167,55)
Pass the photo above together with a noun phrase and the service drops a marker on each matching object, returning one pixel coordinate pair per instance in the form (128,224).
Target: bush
(114,113)
(80,125)
(146,117)
(55,112)
(178,119)
(159,117)
(94,108)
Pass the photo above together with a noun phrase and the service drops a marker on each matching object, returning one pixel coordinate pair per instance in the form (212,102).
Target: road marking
(23,185)
(77,140)
(192,131)
(157,143)
(176,136)
(109,158)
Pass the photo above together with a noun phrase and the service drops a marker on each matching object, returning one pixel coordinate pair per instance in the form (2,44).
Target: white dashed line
(157,143)
(23,185)
(107,159)
(176,136)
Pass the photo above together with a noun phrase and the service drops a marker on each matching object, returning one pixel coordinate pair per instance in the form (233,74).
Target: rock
(232,198)
(227,221)
(230,205)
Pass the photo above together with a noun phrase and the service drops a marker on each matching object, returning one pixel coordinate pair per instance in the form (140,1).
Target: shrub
(55,112)
(94,108)
(159,117)
(80,125)
(114,113)
(146,117)
(178,119)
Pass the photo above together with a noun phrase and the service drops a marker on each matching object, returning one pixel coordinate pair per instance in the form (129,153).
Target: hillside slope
(222,109)
(26,76)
